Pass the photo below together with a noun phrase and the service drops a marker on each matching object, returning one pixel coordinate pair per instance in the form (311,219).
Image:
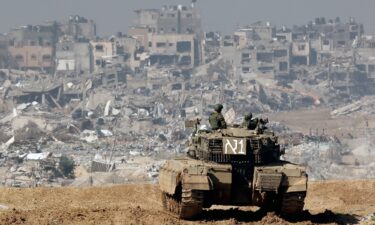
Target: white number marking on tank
(235,147)
(241,152)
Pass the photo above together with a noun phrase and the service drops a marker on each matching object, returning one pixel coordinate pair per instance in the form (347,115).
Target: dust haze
(103,93)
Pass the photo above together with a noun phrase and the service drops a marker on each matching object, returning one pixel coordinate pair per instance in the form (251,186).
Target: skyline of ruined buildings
(172,37)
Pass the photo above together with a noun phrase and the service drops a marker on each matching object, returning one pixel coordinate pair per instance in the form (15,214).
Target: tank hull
(281,186)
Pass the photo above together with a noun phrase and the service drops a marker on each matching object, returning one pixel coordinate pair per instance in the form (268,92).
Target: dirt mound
(341,202)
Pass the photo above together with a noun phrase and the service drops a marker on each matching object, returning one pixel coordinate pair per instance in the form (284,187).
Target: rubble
(327,158)
(126,97)
(370,218)
(364,106)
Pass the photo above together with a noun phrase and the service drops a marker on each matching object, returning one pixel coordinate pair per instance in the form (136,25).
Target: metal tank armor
(233,166)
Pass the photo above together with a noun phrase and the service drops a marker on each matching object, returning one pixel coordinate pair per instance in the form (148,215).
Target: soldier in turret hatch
(249,122)
(216,119)
(253,124)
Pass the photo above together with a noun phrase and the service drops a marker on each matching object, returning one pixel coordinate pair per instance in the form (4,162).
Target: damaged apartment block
(171,35)
(264,57)
(173,49)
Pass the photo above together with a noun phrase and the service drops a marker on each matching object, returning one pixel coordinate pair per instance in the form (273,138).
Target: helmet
(248,116)
(218,107)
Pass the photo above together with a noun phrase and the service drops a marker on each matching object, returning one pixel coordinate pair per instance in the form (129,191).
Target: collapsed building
(73,57)
(170,19)
(119,102)
(333,34)
(79,27)
(265,58)
(173,49)
(332,52)
(4,53)
(172,35)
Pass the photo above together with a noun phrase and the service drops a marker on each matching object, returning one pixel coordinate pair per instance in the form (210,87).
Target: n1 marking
(237,148)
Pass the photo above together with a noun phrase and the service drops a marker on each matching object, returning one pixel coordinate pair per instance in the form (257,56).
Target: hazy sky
(223,15)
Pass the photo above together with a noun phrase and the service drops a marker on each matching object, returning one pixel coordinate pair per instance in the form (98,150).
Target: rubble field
(307,120)
(333,202)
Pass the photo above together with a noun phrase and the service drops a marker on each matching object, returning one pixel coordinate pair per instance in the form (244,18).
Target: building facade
(33,57)
(79,27)
(74,56)
(173,49)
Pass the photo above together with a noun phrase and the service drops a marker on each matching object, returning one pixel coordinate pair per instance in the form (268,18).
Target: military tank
(233,166)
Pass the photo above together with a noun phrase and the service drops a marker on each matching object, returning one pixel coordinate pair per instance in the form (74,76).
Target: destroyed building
(166,33)
(284,34)
(32,47)
(248,53)
(103,52)
(131,51)
(45,93)
(73,57)
(261,31)
(79,27)
(110,101)
(364,56)
(212,46)
(350,81)
(302,53)
(316,51)
(170,19)
(35,47)
(29,57)
(40,35)
(4,52)
(173,49)
(334,33)
(266,58)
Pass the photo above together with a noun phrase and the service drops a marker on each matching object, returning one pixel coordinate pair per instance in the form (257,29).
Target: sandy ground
(333,202)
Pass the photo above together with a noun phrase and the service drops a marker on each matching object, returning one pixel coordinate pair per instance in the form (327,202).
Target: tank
(233,166)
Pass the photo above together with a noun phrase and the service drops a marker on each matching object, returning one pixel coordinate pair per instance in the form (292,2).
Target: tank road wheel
(292,203)
(192,203)
(186,205)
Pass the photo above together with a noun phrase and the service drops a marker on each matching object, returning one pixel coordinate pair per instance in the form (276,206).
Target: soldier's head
(218,108)
(248,116)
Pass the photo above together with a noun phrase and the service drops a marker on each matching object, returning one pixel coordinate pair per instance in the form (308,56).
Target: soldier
(216,119)
(249,122)
(254,124)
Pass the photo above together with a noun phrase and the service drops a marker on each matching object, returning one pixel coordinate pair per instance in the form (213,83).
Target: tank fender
(267,180)
(169,180)
(195,177)
(289,177)
(295,183)
(197,182)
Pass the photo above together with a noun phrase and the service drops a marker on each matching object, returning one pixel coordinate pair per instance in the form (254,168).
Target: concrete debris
(37,156)
(6,145)
(106,110)
(106,133)
(101,167)
(370,218)
(127,97)
(326,158)
(365,106)
(89,136)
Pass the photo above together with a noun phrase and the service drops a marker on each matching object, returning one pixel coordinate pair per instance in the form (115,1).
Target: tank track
(188,206)
(292,203)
